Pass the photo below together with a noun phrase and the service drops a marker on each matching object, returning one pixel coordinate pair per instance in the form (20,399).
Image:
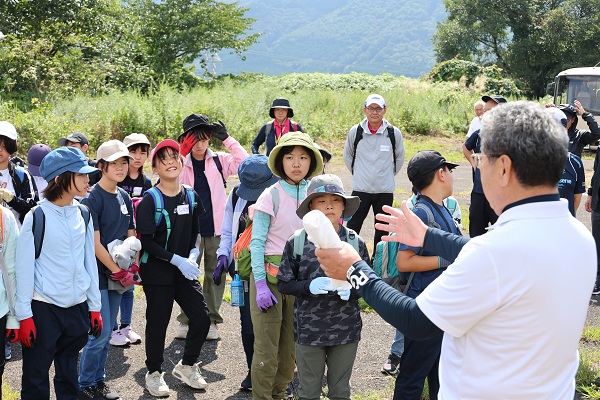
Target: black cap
(192,121)
(75,137)
(425,162)
(495,98)
(568,109)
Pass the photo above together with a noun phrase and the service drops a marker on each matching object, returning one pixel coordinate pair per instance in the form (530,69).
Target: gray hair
(528,134)
(478,103)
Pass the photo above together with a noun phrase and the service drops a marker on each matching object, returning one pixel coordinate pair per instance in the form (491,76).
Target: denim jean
(398,346)
(93,358)
(126,308)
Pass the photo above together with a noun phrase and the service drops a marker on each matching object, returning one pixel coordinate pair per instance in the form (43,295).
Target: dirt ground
(223,362)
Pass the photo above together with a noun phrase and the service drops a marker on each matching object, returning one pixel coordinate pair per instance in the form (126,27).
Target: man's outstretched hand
(409,228)
(335,262)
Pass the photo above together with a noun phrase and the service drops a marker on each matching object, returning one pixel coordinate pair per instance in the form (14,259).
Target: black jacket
(578,139)
(25,194)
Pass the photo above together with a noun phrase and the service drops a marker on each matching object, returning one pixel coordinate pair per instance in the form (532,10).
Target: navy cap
(35,155)
(495,98)
(75,137)
(255,176)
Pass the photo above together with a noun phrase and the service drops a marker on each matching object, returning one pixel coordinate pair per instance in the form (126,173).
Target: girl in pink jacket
(206,171)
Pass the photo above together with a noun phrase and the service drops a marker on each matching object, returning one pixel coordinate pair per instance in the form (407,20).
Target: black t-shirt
(206,222)
(136,187)
(184,229)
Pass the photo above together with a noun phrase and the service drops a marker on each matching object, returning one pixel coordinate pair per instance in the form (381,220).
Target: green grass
(426,112)
(8,393)
(591,334)
(364,306)
(589,364)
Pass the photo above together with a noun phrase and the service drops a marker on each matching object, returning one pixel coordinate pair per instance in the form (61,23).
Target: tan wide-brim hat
(331,184)
(296,139)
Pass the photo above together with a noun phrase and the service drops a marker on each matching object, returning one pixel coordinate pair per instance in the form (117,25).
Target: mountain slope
(339,36)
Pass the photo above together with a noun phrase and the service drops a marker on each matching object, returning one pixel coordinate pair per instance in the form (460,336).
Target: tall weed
(326,105)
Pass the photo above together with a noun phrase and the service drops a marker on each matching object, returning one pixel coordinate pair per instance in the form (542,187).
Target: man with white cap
(374,153)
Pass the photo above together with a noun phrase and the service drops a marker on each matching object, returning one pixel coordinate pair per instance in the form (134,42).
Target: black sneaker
(596,290)
(89,393)
(392,365)
(105,392)
(246,385)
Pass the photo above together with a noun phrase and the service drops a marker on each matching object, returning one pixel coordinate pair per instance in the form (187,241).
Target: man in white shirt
(510,307)
(478,107)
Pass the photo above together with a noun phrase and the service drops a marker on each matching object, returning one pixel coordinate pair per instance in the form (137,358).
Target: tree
(531,40)
(177,32)
(98,45)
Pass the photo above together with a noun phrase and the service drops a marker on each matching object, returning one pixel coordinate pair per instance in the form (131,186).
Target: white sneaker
(213,333)
(190,375)
(182,331)
(117,338)
(156,385)
(130,334)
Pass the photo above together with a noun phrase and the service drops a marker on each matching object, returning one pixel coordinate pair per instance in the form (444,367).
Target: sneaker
(246,384)
(105,392)
(181,332)
(7,350)
(596,290)
(213,333)
(392,365)
(190,375)
(130,334)
(289,391)
(118,339)
(89,393)
(156,385)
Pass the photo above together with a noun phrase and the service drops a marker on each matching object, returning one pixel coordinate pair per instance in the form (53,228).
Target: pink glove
(124,277)
(264,297)
(135,270)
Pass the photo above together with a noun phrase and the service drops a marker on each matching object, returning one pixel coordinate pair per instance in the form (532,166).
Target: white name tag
(384,147)
(183,209)
(124,209)
(137,191)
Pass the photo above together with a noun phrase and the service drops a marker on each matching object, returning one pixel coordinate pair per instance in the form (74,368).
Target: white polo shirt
(475,125)
(513,306)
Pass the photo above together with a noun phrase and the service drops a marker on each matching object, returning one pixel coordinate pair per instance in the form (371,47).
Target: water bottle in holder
(237,292)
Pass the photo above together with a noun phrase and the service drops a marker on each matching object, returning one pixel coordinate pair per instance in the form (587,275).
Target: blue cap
(64,159)
(255,176)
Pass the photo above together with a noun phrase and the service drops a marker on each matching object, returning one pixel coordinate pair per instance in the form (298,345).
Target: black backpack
(359,135)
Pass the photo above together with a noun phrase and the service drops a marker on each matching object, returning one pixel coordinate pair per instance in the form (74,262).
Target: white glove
(6,195)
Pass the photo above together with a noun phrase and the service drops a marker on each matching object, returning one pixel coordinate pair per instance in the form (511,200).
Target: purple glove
(264,296)
(221,265)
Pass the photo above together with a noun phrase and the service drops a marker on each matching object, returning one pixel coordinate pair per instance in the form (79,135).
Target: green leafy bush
(485,79)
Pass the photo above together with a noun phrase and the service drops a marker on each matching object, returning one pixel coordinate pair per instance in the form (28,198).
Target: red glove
(12,335)
(135,270)
(124,277)
(185,145)
(95,323)
(27,332)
